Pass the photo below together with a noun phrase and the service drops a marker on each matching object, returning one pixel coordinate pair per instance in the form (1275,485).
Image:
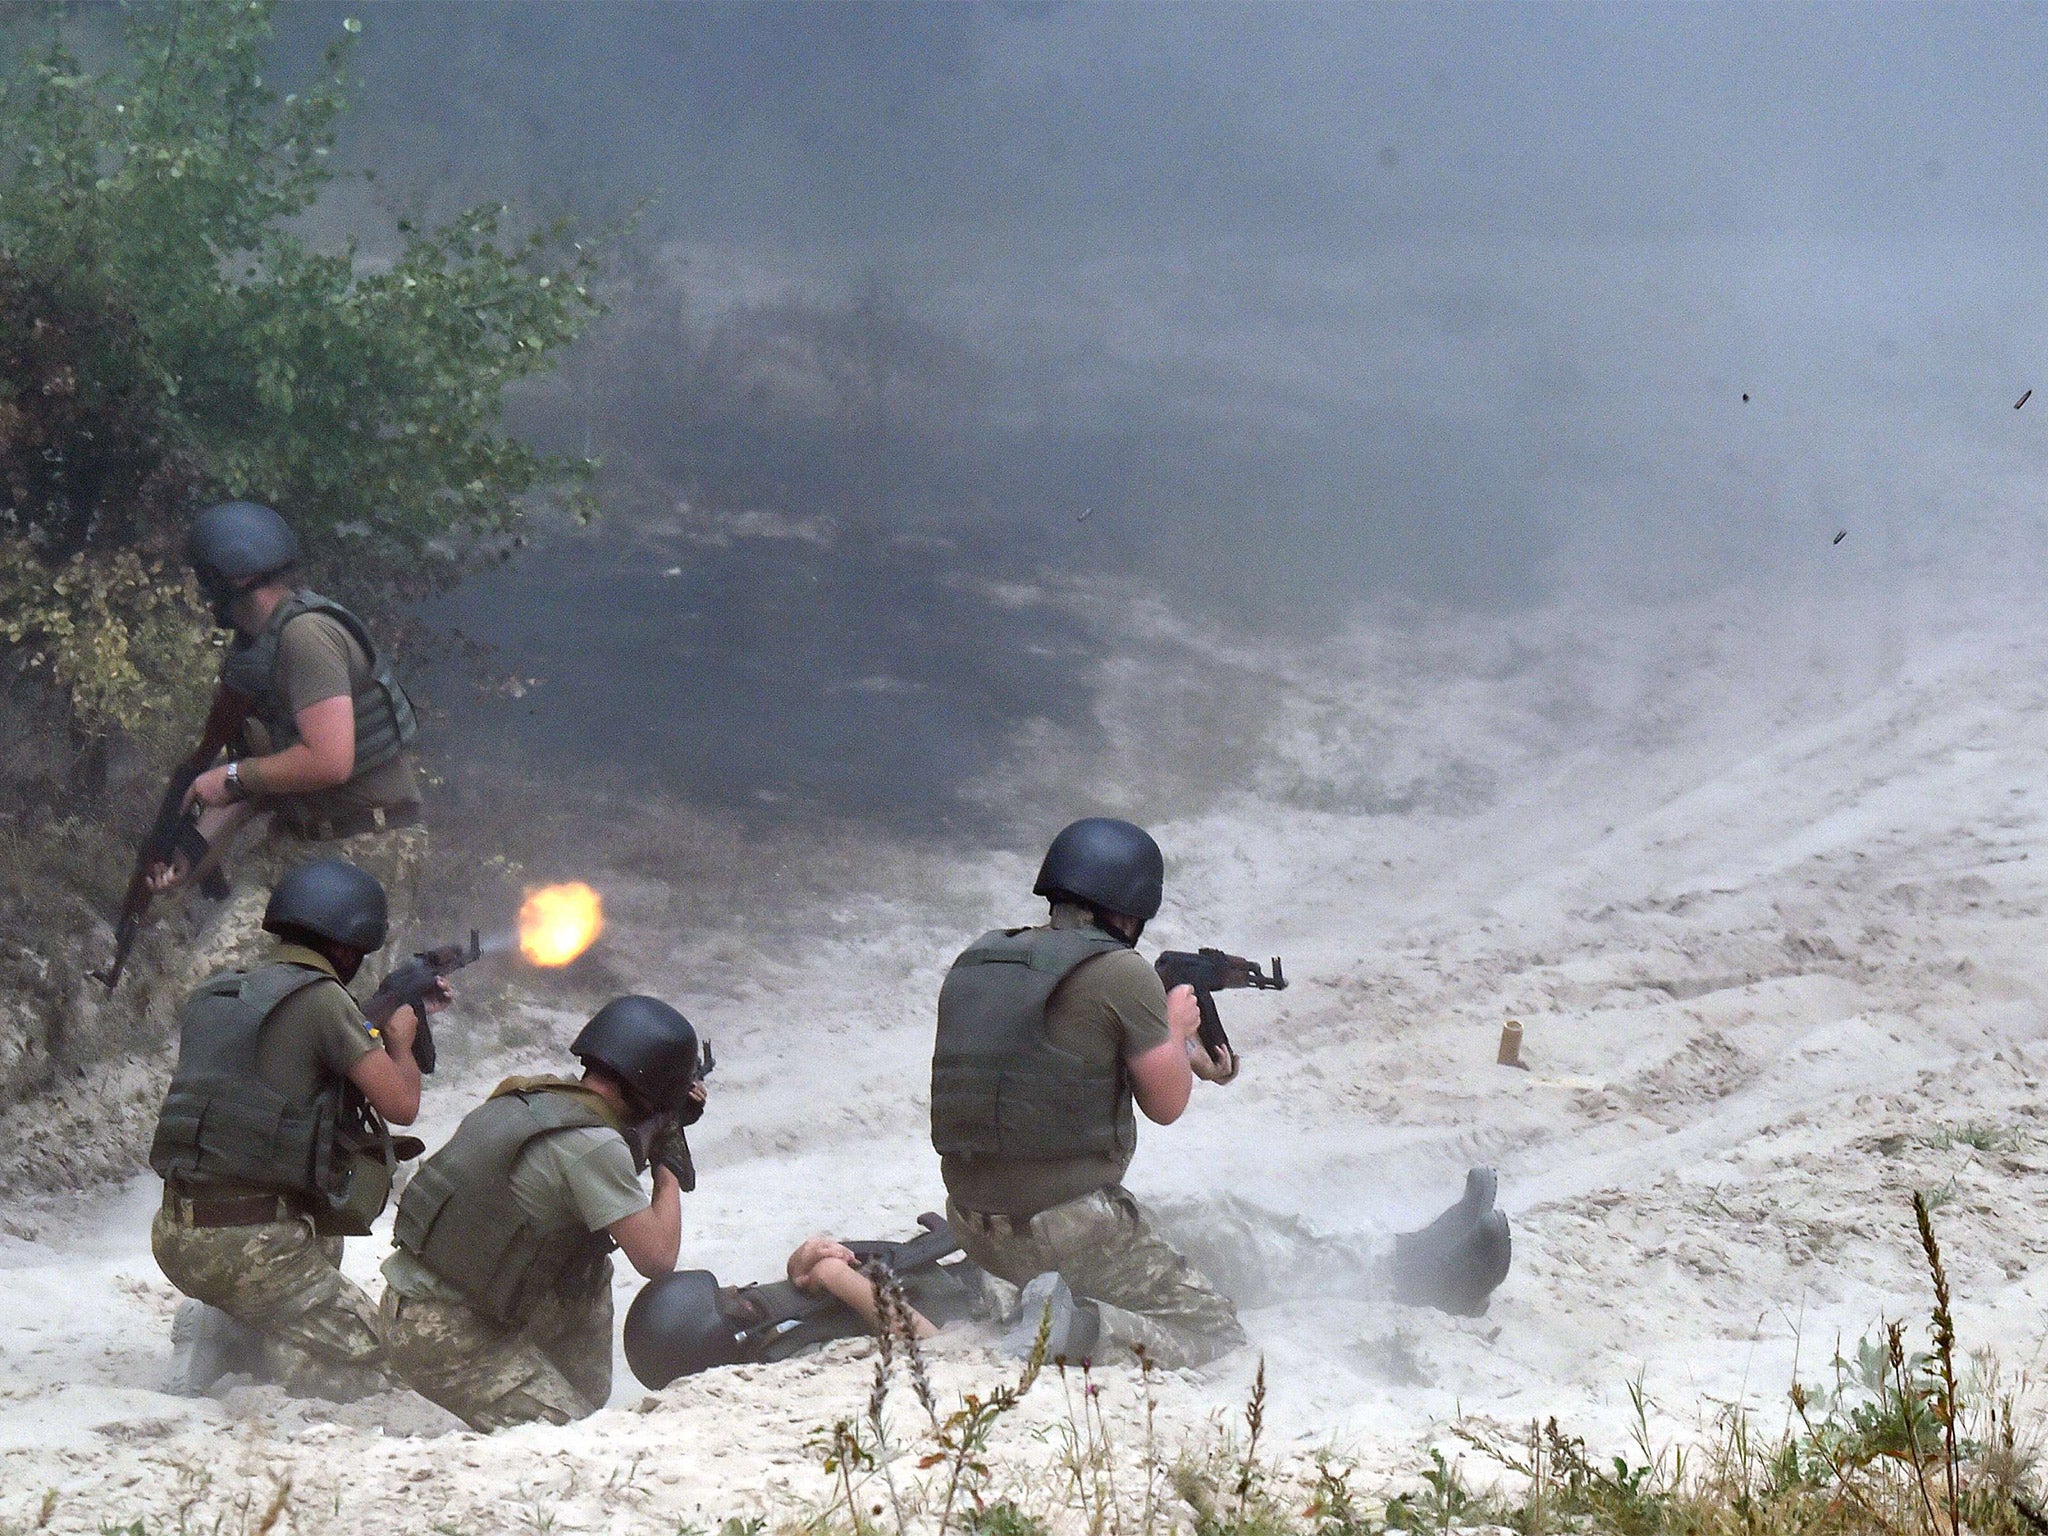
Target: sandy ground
(1762,889)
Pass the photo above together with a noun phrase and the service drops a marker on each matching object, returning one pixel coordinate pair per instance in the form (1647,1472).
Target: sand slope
(1765,893)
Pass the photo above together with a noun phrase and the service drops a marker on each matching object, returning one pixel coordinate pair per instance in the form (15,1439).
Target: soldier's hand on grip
(1219,1067)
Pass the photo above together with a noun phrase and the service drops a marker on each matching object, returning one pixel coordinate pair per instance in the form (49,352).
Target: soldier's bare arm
(390,1078)
(652,1238)
(1161,1078)
(322,757)
(825,1264)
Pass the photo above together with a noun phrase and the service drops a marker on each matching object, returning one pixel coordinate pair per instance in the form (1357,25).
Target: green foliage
(1980,1136)
(364,401)
(176,333)
(1442,1502)
(1003,1518)
(121,637)
(1863,1417)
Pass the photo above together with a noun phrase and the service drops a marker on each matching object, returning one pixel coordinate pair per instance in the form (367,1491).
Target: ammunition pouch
(365,1163)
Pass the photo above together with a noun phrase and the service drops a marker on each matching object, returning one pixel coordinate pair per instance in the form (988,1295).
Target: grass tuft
(1895,1442)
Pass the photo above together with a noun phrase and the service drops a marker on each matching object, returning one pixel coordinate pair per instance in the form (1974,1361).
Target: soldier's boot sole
(207,1344)
(1456,1262)
(1072,1327)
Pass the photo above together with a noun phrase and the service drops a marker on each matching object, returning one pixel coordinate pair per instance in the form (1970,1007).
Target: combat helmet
(646,1045)
(231,543)
(675,1327)
(1107,863)
(332,900)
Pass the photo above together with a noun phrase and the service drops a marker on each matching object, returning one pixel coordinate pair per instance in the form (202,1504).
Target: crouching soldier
(273,1143)
(498,1301)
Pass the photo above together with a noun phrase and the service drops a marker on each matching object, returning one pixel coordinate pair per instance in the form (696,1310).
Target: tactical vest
(460,1218)
(221,1123)
(385,724)
(1000,1088)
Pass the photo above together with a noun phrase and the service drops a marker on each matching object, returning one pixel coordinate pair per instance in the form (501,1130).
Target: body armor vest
(221,1123)
(1000,1088)
(385,725)
(460,1218)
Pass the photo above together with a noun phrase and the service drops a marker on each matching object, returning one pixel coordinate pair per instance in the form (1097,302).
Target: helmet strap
(1111,923)
(346,961)
(607,1082)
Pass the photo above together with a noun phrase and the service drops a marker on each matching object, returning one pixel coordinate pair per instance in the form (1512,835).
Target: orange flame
(559,922)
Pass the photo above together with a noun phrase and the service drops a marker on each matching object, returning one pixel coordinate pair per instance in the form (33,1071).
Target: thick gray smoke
(1281,309)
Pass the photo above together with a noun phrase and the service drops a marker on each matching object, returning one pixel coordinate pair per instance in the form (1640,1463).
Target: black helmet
(1106,862)
(332,900)
(239,539)
(675,1328)
(646,1045)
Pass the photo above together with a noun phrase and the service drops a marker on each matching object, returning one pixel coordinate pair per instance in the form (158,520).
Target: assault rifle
(176,831)
(408,985)
(1210,971)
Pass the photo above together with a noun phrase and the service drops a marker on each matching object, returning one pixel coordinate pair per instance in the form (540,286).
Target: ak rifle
(1210,971)
(176,830)
(408,984)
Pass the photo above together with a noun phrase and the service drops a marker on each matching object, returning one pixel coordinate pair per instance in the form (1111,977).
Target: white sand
(1763,889)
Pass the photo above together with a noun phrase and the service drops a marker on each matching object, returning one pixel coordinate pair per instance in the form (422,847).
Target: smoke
(1275,312)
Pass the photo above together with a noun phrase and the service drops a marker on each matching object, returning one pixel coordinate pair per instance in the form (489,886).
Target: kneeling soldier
(1047,1038)
(498,1302)
(272,1143)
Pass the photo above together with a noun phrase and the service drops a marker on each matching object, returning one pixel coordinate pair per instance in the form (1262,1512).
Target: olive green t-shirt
(578,1180)
(314,1037)
(318,659)
(1110,1008)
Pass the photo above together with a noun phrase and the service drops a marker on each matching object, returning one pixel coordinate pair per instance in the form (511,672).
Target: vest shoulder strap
(266,987)
(306,601)
(1057,950)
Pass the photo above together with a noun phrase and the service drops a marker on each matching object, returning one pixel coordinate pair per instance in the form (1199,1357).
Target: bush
(171,336)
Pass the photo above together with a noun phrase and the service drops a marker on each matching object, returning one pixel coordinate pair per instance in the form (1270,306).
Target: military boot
(207,1344)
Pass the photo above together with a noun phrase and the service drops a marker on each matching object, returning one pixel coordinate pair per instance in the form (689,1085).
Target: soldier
(273,1141)
(1047,1038)
(498,1297)
(326,744)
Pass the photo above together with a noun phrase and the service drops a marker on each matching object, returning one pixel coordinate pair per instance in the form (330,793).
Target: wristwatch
(234,781)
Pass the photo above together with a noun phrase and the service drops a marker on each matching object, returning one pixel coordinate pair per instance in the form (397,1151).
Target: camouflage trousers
(232,938)
(320,1335)
(553,1368)
(1147,1295)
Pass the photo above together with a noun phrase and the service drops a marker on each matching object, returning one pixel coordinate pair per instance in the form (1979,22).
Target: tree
(171,335)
